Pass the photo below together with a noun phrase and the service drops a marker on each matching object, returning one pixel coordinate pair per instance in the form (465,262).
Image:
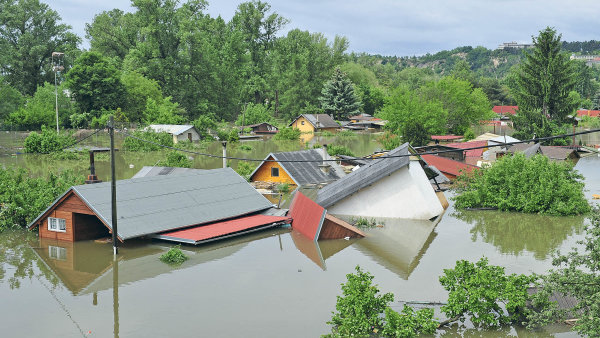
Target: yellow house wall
(263,174)
(306,128)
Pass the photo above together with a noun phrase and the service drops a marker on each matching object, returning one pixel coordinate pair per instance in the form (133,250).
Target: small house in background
(591,113)
(505,111)
(314,122)
(261,128)
(151,206)
(393,186)
(442,139)
(450,168)
(361,117)
(554,153)
(179,132)
(309,168)
(471,156)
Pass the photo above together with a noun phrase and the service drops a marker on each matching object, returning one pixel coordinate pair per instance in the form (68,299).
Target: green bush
(174,256)
(175,159)
(133,144)
(334,150)
(287,133)
(389,140)
(364,223)
(47,141)
(469,135)
(23,198)
(346,134)
(245,147)
(360,307)
(245,169)
(283,188)
(516,183)
(409,323)
(327,133)
(477,290)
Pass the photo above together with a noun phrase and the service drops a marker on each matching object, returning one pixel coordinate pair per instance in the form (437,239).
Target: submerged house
(261,128)
(449,167)
(179,132)
(155,206)
(394,186)
(309,168)
(554,153)
(310,123)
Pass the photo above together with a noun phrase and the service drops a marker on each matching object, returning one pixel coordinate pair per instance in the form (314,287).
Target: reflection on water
(514,233)
(319,251)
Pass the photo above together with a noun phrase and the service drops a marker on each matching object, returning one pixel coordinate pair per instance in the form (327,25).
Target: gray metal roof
(527,149)
(148,171)
(174,129)
(319,120)
(150,205)
(304,173)
(363,177)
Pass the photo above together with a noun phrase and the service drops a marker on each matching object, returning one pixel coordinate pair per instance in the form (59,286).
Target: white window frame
(57,252)
(55,224)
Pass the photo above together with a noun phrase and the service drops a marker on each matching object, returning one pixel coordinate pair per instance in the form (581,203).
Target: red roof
(307,216)
(505,110)
(593,113)
(448,166)
(222,229)
(446,137)
(470,144)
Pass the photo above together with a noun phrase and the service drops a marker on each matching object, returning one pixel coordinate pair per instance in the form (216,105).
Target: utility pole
(57,67)
(113,184)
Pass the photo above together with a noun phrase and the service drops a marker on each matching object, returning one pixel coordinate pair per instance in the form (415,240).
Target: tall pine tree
(338,98)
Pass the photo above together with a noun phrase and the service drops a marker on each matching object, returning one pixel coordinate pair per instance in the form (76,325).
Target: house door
(190,137)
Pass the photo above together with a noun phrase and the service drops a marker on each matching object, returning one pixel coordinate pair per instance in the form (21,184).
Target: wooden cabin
(310,123)
(261,128)
(179,132)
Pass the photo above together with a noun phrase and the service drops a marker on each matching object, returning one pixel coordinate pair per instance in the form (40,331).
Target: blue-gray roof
(148,171)
(304,173)
(363,177)
(150,205)
(319,120)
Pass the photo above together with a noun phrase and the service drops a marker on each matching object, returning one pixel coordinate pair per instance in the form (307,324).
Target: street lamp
(57,66)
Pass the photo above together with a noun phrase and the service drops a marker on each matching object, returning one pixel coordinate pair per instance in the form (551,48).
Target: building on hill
(309,168)
(514,45)
(314,123)
(179,132)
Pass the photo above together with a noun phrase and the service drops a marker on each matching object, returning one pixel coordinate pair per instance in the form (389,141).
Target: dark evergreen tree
(545,78)
(338,98)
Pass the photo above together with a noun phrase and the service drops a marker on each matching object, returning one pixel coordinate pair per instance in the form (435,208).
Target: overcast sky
(400,27)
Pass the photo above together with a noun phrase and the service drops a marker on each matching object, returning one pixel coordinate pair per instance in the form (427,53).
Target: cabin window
(57,224)
(274,172)
(57,252)
(302,122)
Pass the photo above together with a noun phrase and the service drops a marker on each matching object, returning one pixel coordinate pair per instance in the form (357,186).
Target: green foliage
(545,78)
(327,133)
(283,188)
(30,32)
(95,82)
(204,124)
(245,169)
(133,144)
(338,98)
(415,133)
(255,113)
(163,111)
(10,100)
(139,90)
(530,124)
(47,141)
(80,121)
(484,293)
(590,122)
(359,309)
(174,256)
(245,147)
(229,135)
(175,159)
(469,134)
(23,198)
(41,109)
(516,183)
(409,323)
(364,223)
(287,133)
(577,274)
(389,140)
(334,150)
(100,122)
(346,134)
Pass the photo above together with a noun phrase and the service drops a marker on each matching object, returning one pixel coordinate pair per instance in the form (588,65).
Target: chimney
(325,166)
(224,143)
(92,178)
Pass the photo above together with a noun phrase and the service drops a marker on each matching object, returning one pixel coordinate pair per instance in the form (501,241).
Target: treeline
(170,62)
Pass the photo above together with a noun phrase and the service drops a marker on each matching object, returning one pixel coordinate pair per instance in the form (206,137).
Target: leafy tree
(46,142)
(41,109)
(496,92)
(516,183)
(545,78)
(95,83)
(204,124)
(163,111)
(359,307)
(255,113)
(415,133)
(139,89)
(10,100)
(586,85)
(478,290)
(287,133)
(135,144)
(113,33)
(29,32)
(175,159)
(372,98)
(338,98)
(409,323)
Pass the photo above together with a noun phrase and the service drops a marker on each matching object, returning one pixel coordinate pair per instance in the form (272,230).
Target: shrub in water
(47,141)
(176,159)
(409,323)
(173,256)
(134,144)
(334,150)
(287,133)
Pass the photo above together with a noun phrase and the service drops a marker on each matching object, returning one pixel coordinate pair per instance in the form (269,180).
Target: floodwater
(273,283)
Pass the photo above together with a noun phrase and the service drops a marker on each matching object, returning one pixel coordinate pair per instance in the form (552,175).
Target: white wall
(184,136)
(406,193)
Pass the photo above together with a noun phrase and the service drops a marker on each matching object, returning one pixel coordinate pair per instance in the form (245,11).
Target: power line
(539,139)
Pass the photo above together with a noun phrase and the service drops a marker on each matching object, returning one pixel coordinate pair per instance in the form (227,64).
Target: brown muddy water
(270,284)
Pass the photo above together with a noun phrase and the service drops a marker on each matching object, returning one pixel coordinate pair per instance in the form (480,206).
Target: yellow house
(314,122)
(297,168)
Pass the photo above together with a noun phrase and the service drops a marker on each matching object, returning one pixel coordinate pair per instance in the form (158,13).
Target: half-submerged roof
(150,205)
(306,171)
(319,120)
(175,129)
(363,176)
(148,171)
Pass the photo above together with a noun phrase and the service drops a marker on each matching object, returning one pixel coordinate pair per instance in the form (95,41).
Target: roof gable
(319,120)
(449,166)
(503,110)
(364,176)
(174,129)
